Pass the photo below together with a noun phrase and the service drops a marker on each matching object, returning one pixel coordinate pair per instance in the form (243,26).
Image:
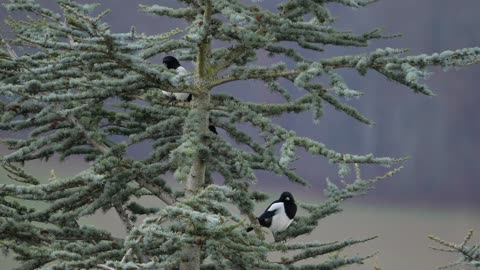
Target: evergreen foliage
(469,254)
(77,86)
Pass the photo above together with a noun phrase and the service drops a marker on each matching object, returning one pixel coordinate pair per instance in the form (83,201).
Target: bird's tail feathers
(213,129)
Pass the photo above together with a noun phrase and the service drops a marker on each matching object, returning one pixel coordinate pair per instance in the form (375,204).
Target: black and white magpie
(172,63)
(279,215)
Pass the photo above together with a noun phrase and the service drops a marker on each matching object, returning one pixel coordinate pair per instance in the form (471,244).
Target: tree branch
(273,75)
(104,149)
(124,217)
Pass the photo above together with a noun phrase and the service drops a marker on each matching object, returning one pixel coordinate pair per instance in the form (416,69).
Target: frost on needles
(60,69)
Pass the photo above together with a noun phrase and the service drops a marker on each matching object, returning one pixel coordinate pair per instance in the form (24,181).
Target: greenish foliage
(77,85)
(469,254)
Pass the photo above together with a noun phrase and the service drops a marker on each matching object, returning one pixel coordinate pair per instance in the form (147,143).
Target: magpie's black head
(171,62)
(286,197)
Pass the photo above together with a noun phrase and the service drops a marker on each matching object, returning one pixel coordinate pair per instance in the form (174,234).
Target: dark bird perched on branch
(279,215)
(172,63)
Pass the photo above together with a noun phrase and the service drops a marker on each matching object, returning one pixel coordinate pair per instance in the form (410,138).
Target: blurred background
(437,192)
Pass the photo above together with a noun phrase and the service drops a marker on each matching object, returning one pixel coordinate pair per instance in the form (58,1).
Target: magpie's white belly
(178,96)
(181,96)
(168,94)
(280,222)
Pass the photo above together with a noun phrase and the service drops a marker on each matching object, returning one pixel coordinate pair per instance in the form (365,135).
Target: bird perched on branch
(172,63)
(279,215)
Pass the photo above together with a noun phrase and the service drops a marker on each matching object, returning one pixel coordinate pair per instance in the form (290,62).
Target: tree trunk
(190,258)
(196,179)
(191,255)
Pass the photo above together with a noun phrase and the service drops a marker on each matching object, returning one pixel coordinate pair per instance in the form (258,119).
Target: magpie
(279,215)
(172,63)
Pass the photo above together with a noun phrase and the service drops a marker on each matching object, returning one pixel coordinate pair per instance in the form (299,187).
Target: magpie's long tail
(249,229)
(211,127)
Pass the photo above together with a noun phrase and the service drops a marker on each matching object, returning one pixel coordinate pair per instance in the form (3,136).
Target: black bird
(172,63)
(279,215)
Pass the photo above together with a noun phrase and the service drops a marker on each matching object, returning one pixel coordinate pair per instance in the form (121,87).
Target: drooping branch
(405,70)
(103,148)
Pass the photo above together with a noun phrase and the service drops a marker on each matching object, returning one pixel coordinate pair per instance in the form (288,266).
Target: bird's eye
(288,198)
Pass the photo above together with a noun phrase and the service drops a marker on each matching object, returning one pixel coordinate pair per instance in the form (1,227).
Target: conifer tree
(76,87)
